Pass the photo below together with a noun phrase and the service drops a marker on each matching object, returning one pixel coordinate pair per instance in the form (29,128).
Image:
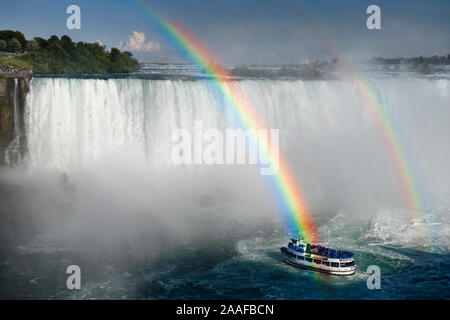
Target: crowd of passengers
(323,251)
(12,69)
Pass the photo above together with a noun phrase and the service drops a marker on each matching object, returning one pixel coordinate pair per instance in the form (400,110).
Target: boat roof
(327,251)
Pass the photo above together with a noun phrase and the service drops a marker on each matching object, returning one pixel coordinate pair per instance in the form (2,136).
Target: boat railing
(323,251)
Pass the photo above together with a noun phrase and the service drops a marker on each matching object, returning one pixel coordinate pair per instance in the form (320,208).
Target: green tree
(32,45)
(53,39)
(8,35)
(41,42)
(64,56)
(3,45)
(14,45)
(67,44)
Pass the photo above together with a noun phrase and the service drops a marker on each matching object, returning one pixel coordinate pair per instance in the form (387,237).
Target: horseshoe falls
(97,188)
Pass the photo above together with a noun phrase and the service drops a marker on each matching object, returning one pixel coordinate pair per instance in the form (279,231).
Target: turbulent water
(98,189)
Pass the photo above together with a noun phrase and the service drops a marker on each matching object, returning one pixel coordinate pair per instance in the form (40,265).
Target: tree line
(433,60)
(62,55)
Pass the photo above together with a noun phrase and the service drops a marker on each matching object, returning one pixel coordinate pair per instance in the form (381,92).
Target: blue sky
(245,31)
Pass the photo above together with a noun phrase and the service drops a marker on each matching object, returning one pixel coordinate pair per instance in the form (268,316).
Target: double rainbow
(289,191)
(292,202)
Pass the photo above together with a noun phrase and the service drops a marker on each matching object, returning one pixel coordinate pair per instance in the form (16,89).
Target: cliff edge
(13,92)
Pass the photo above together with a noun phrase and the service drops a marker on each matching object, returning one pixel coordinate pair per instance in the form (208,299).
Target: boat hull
(310,266)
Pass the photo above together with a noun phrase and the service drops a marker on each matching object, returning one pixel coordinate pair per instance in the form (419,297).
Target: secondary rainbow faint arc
(289,190)
(375,105)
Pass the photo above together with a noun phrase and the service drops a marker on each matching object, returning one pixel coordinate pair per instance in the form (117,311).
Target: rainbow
(290,194)
(375,105)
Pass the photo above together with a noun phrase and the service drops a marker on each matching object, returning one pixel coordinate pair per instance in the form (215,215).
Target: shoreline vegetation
(62,56)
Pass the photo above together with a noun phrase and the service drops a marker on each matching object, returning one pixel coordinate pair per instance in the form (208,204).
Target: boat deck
(318,258)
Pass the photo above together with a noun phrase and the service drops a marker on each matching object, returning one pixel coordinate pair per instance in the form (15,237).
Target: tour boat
(318,258)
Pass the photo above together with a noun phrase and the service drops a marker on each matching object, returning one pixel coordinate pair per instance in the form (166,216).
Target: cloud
(136,43)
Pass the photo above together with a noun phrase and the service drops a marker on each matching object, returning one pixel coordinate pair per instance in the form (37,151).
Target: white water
(327,130)
(12,153)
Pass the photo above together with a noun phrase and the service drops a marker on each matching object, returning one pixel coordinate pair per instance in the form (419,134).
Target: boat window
(309,259)
(317,261)
(300,258)
(326,263)
(334,264)
(348,264)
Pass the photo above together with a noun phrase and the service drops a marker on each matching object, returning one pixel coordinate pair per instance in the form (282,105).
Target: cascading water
(102,184)
(14,151)
(326,129)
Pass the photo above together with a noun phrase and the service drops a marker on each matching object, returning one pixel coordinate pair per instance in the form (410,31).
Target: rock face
(13,92)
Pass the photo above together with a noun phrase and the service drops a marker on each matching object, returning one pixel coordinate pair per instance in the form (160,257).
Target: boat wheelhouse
(318,258)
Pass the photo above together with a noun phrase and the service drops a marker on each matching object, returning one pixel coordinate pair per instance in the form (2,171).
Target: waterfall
(326,130)
(97,186)
(16,149)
